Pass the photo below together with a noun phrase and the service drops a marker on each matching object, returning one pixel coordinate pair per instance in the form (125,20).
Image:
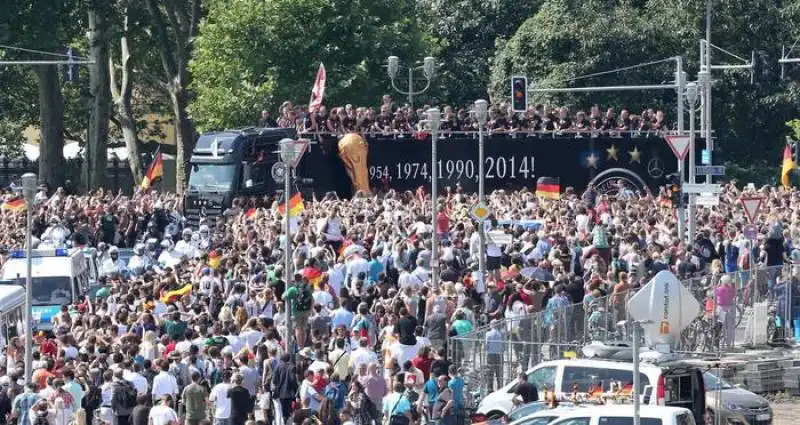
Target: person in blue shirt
(396,407)
(431,393)
(495,346)
(375,267)
(456,384)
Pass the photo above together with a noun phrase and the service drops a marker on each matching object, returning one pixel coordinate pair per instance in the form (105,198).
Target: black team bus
(246,162)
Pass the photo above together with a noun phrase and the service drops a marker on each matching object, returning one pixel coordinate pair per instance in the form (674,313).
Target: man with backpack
(123,399)
(302,300)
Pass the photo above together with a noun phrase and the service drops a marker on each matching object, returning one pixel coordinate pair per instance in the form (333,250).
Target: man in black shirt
(405,328)
(526,390)
(241,401)
(141,413)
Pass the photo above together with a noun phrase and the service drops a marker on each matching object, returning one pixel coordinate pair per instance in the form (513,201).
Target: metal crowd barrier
(764,312)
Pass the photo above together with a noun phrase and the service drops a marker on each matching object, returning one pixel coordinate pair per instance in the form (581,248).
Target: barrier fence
(739,310)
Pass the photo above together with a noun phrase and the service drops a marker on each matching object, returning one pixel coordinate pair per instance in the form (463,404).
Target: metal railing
(513,134)
(762,312)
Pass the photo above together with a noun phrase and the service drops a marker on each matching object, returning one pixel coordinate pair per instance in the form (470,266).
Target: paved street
(785,414)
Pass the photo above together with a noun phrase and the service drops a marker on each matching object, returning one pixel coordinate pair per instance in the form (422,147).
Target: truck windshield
(211,176)
(52,290)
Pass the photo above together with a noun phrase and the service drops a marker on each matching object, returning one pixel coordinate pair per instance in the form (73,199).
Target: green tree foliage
(567,39)
(466,33)
(252,54)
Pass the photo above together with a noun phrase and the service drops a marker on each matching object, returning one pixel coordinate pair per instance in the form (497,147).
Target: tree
(173,25)
(567,39)
(253,54)
(100,90)
(467,33)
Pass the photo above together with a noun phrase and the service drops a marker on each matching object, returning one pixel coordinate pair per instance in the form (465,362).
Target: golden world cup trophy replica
(353,153)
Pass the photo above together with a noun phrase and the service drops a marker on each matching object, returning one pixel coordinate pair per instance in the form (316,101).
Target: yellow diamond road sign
(480,212)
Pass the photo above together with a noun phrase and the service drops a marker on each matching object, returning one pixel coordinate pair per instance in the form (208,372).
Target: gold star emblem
(636,155)
(612,153)
(591,160)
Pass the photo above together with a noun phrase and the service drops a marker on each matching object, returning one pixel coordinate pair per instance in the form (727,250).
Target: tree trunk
(100,89)
(184,130)
(51,120)
(122,94)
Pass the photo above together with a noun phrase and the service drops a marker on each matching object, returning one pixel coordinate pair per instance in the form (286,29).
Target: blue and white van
(60,276)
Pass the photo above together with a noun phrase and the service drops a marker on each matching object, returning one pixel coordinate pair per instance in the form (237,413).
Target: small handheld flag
(296,205)
(548,187)
(154,172)
(15,204)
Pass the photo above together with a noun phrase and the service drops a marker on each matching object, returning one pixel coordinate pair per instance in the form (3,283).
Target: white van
(12,307)
(60,277)
(623,415)
(672,383)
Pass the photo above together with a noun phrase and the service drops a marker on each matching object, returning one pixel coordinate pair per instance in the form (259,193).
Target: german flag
(787,166)
(548,187)
(295,205)
(313,275)
(15,204)
(250,213)
(154,172)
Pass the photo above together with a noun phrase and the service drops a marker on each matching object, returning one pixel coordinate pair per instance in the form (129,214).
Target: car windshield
(211,176)
(51,290)
(713,382)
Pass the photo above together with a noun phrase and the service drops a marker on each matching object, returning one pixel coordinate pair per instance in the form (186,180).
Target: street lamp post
(434,121)
(481,108)
(691,103)
(428,70)
(288,156)
(29,192)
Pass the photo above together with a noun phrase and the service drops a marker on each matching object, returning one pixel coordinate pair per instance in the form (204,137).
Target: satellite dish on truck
(667,305)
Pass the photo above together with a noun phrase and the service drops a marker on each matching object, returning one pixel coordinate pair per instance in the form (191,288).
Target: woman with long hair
(358,401)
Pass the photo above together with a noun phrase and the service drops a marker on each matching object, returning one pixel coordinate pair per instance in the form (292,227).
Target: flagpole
(288,259)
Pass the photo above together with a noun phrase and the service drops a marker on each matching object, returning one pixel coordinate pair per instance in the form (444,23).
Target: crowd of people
(194,326)
(392,119)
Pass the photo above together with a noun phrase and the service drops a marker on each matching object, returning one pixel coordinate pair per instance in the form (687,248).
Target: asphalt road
(785,414)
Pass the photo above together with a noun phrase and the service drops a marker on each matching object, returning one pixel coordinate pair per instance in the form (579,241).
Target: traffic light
(675,189)
(519,94)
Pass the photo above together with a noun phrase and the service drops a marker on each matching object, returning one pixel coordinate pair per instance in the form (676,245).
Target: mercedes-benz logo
(655,168)
(278,172)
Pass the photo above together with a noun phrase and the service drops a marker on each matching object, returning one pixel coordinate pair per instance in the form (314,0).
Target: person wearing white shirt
(251,335)
(407,279)
(355,266)
(234,341)
(341,317)
(164,383)
(362,355)
(138,381)
(162,414)
(336,277)
(322,296)
(222,403)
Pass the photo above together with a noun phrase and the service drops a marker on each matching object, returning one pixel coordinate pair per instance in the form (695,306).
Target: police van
(60,276)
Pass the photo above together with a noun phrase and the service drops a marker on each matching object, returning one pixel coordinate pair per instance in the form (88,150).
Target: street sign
(480,212)
(705,157)
(750,231)
(292,151)
(707,200)
(667,305)
(499,237)
(710,170)
(679,145)
(751,206)
(701,188)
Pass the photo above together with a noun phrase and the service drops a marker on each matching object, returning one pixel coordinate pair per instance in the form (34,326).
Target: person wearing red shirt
(442,224)
(423,360)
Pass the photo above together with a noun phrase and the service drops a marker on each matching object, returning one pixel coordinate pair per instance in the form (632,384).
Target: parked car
(661,383)
(518,412)
(737,405)
(623,415)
